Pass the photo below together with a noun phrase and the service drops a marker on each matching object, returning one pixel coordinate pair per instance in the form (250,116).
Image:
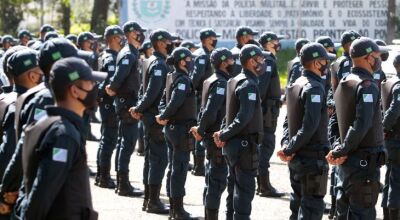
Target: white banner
(294,18)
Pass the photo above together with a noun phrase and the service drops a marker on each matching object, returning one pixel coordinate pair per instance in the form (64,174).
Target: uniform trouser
(109,134)
(118,148)
(178,161)
(141,131)
(266,149)
(216,174)
(348,204)
(242,158)
(295,196)
(156,154)
(127,144)
(391,189)
(199,149)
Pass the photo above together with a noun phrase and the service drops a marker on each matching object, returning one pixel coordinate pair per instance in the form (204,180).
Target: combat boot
(140,149)
(146,197)
(332,211)
(125,188)
(179,212)
(211,214)
(266,189)
(155,205)
(199,169)
(171,209)
(105,180)
(96,176)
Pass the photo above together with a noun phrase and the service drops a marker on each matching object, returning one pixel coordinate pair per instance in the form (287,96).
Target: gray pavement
(110,206)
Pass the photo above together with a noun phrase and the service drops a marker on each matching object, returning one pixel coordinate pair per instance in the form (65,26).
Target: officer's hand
(136,115)
(195,134)
(330,111)
(109,91)
(10,197)
(217,140)
(5,209)
(335,161)
(283,156)
(160,121)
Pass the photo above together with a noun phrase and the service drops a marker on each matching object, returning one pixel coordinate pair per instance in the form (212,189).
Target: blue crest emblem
(151,10)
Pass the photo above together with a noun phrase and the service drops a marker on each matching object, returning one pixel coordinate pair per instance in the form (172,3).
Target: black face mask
(169,48)
(277,47)
(377,64)
(260,68)
(122,42)
(140,38)
(90,100)
(323,68)
(384,56)
(230,68)
(214,43)
(189,66)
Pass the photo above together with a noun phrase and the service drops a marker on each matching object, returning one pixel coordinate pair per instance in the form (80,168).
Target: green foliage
(77,28)
(284,56)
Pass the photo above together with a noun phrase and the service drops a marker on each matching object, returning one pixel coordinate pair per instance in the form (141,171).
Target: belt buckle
(172,127)
(244,143)
(122,100)
(107,106)
(363,163)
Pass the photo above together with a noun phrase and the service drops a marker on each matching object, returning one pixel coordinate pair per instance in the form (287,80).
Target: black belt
(317,154)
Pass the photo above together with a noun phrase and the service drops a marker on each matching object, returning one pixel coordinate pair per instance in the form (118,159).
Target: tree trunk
(99,16)
(66,16)
(391,21)
(11,14)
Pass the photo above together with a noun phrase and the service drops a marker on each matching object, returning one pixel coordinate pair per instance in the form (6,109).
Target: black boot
(332,212)
(146,197)
(96,176)
(171,209)
(211,214)
(155,205)
(266,189)
(140,150)
(124,187)
(199,169)
(105,180)
(258,185)
(179,212)
(394,214)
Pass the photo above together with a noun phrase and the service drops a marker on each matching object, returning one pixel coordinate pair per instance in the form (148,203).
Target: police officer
(308,144)
(379,75)
(30,108)
(51,35)
(146,49)
(125,85)
(23,67)
(88,46)
(202,70)
(156,150)
(189,45)
(73,38)
(329,46)
(44,29)
(178,115)
(243,35)
(341,67)
(109,124)
(360,153)
(55,146)
(242,132)
(24,37)
(7,41)
(391,103)
(270,94)
(212,113)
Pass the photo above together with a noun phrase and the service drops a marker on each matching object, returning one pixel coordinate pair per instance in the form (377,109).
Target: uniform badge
(181,86)
(252,96)
(125,61)
(202,61)
(346,63)
(315,98)
(60,154)
(345,74)
(398,97)
(157,72)
(269,68)
(39,114)
(220,91)
(238,62)
(111,68)
(377,76)
(367,98)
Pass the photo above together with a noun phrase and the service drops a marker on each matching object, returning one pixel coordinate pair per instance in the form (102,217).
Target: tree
(11,14)
(65,11)
(99,16)
(391,21)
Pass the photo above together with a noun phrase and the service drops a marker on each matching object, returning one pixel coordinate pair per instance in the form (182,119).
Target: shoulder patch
(111,68)
(157,72)
(238,62)
(125,61)
(182,86)
(377,76)
(252,96)
(346,63)
(367,98)
(316,98)
(39,114)
(60,154)
(345,74)
(398,97)
(269,68)
(202,61)
(220,91)
(323,77)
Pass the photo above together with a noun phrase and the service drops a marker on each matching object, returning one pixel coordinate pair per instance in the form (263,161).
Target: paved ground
(110,206)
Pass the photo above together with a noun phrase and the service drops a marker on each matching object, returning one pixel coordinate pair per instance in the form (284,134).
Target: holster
(152,129)
(364,193)
(213,152)
(270,117)
(109,117)
(180,137)
(248,158)
(314,184)
(394,156)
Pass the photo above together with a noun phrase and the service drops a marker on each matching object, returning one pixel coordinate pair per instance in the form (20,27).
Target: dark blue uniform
(180,110)
(126,83)
(358,176)
(156,151)
(56,175)
(109,121)
(242,134)
(212,115)
(309,142)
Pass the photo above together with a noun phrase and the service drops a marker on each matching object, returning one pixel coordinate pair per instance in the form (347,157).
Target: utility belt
(213,152)
(253,138)
(314,184)
(367,159)
(270,117)
(310,153)
(179,136)
(104,100)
